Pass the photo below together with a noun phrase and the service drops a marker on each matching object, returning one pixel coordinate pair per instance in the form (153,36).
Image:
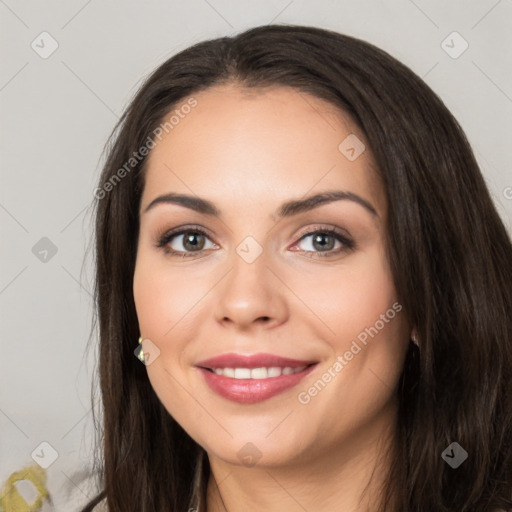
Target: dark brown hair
(449,253)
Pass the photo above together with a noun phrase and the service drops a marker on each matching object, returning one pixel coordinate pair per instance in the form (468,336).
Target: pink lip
(232,360)
(248,391)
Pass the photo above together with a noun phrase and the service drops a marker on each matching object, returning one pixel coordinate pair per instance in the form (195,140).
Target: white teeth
(242,373)
(274,371)
(257,373)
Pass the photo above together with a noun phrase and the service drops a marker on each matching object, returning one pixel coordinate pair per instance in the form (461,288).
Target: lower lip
(249,391)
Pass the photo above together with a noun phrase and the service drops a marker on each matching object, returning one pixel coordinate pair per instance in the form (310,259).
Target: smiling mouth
(252,385)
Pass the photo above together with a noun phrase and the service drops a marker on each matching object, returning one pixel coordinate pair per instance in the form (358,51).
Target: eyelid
(324,227)
(180,229)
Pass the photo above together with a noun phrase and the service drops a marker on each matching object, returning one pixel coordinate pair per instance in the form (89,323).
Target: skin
(248,152)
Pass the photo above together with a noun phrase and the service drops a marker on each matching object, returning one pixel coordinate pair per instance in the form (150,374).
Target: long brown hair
(449,252)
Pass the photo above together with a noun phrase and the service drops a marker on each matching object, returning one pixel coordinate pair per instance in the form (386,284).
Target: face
(244,276)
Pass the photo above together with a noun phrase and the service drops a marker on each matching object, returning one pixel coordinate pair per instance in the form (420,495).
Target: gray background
(57,112)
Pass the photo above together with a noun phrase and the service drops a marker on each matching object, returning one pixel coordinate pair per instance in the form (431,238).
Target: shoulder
(101,506)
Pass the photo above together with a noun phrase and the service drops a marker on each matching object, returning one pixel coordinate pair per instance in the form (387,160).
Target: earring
(139,353)
(414,339)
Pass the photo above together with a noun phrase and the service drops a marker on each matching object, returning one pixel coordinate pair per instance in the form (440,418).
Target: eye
(191,238)
(322,243)
(192,241)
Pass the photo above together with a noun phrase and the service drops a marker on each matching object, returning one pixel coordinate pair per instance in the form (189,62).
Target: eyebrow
(287,209)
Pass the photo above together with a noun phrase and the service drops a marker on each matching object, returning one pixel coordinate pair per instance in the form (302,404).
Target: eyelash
(165,239)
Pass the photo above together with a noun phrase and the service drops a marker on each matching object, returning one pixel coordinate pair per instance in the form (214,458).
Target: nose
(251,293)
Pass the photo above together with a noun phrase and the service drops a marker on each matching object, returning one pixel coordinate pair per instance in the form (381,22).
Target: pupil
(321,245)
(190,240)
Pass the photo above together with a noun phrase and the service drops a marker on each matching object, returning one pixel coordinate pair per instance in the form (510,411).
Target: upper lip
(232,360)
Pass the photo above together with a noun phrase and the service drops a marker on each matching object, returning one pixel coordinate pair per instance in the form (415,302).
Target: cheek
(367,331)
(351,297)
(164,296)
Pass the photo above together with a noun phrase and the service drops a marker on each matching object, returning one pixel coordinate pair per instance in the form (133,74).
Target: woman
(341,339)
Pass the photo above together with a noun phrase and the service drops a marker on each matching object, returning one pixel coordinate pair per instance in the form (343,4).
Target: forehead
(261,145)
